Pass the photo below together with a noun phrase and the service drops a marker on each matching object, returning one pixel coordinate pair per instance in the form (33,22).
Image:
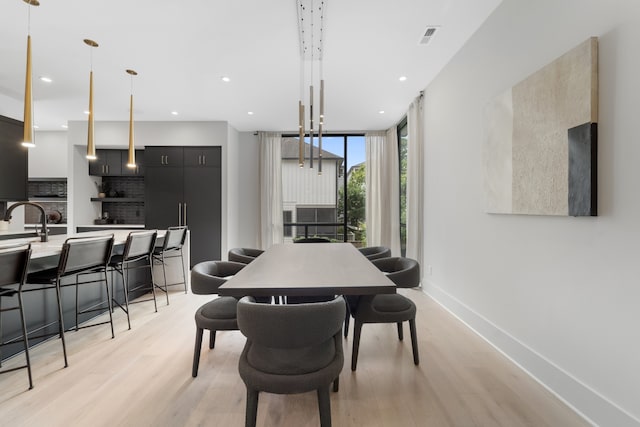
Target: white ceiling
(181,49)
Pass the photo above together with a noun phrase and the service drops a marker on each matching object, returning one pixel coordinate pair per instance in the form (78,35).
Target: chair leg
(164,273)
(400,331)
(324,405)
(357,329)
(212,338)
(347,317)
(61,322)
(106,285)
(25,339)
(153,284)
(414,341)
(1,332)
(77,304)
(196,352)
(252,408)
(125,290)
(336,384)
(184,274)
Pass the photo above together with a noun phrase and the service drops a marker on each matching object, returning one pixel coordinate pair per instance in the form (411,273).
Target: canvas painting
(540,155)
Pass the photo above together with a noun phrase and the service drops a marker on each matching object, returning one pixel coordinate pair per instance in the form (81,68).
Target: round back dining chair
(291,349)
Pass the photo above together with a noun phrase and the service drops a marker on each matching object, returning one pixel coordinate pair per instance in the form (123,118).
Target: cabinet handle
(185,214)
(204,160)
(162,160)
(167,158)
(107,166)
(179,214)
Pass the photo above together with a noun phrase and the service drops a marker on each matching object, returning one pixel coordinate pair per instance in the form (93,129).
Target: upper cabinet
(201,156)
(164,156)
(114,163)
(13,161)
(138,170)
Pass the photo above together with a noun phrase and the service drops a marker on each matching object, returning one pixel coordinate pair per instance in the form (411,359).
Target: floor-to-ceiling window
(402,152)
(330,204)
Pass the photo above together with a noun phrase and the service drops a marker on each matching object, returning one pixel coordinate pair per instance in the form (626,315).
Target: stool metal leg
(61,322)
(25,339)
(106,285)
(125,289)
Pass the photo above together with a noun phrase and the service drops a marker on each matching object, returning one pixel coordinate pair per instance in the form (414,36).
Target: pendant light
(91,146)
(131,162)
(28,137)
(311,38)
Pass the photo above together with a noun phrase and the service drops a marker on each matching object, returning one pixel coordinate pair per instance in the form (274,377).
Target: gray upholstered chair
(244,255)
(375,252)
(312,240)
(216,315)
(388,308)
(291,349)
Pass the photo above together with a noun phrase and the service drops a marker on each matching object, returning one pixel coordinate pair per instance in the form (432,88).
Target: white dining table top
(305,269)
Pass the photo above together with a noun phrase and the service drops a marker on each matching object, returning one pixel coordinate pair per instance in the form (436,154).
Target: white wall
(49,158)
(559,295)
(246,194)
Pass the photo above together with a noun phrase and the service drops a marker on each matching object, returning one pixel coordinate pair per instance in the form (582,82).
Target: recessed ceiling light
(225,79)
(250,113)
(36,127)
(86,112)
(381,112)
(174,113)
(402,78)
(65,126)
(45,79)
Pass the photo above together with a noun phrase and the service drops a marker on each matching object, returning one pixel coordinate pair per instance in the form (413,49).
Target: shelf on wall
(118,199)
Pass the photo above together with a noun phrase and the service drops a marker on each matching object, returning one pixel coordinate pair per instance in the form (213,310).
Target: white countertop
(54,245)
(111,226)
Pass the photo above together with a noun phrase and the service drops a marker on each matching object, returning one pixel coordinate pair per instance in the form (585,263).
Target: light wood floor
(143,378)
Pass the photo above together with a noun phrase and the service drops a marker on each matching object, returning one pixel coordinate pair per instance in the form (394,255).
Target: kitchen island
(41,307)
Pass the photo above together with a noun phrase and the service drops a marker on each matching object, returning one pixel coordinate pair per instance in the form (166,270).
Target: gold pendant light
(131,162)
(28,137)
(91,146)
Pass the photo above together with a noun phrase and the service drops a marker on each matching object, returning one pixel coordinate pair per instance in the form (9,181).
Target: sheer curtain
(415,181)
(383,190)
(271,230)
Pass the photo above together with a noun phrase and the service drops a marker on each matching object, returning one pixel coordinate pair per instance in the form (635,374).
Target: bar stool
(14,261)
(80,256)
(139,247)
(172,248)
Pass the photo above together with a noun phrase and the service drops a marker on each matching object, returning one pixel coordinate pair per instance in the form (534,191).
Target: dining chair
(137,254)
(388,308)
(171,248)
(291,349)
(244,255)
(312,240)
(218,314)
(14,262)
(375,252)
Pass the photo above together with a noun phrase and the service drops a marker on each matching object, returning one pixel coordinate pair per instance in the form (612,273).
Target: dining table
(309,269)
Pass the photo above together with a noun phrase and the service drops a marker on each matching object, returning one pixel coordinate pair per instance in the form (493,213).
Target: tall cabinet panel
(183,186)
(203,213)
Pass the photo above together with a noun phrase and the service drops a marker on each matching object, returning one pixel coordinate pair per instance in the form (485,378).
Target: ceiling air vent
(429,33)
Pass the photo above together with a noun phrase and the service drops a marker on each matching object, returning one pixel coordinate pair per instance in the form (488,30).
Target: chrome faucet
(44,235)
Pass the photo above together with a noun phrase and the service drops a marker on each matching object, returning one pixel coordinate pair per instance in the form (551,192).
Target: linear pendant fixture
(311,37)
(28,136)
(131,162)
(91,146)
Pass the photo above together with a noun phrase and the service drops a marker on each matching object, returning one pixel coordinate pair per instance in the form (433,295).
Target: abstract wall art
(540,154)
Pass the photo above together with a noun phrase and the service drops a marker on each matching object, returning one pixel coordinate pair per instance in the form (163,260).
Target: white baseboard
(591,405)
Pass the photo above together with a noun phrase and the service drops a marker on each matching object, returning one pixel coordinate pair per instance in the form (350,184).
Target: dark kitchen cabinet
(108,163)
(186,193)
(124,159)
(13,161)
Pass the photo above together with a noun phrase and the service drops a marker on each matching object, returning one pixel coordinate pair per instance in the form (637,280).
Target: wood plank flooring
(143,378)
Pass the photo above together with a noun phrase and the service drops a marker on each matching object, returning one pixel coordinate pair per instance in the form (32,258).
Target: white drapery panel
(415,180)
(382,178)
(271,230)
